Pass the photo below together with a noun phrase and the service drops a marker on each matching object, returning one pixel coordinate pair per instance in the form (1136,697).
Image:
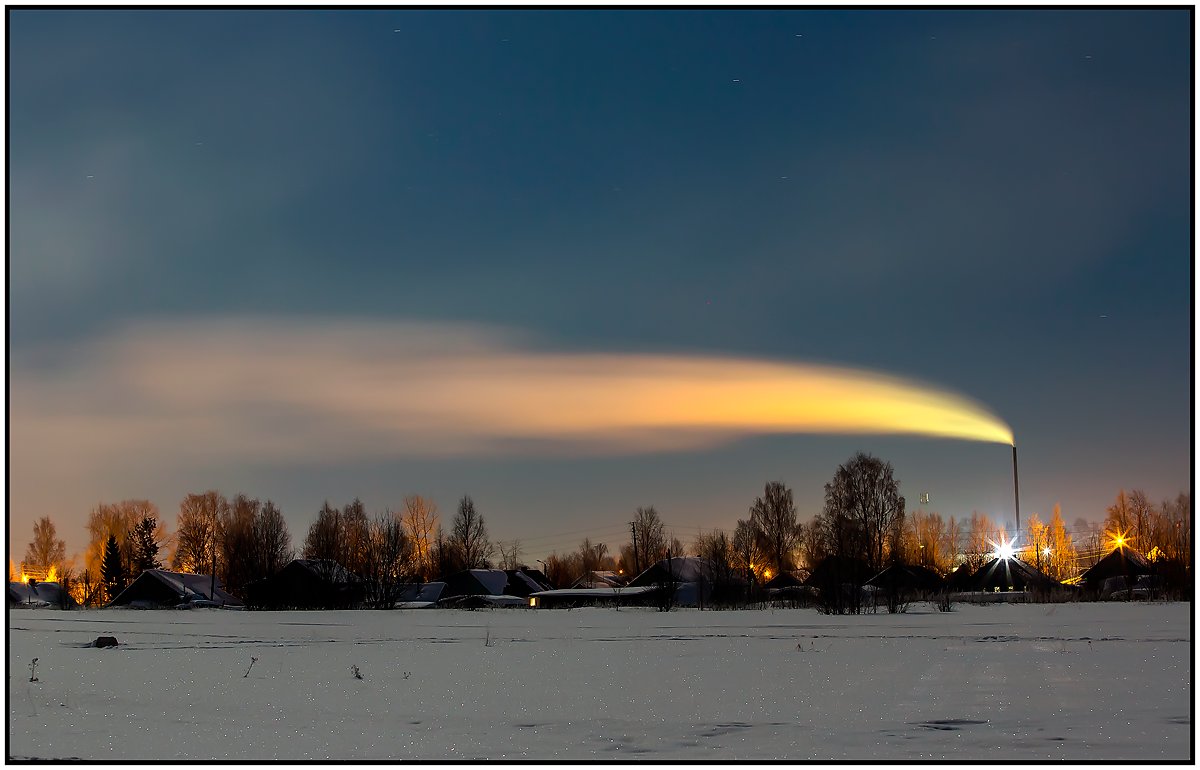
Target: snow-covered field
(1030,682)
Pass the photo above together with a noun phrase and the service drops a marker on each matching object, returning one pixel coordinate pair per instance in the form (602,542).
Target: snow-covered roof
(531,583)
(684,569)
(584,593)
(422,592)
(186,586)
(40,595)
(493,580)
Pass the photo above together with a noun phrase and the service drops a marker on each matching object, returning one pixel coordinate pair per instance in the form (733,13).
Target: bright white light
(1005,550)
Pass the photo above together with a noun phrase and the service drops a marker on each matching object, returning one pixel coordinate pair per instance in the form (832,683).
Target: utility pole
(212,586)
(637,567)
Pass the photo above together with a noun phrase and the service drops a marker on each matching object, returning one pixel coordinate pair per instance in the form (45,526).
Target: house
(1009,574)
(602,596)
(307,584)
(691,575)
(959,578)
(419,596)
(1117,571)
(35,594)
(907,581)
(839,571)
(160,589)
(492,587)
(786,579)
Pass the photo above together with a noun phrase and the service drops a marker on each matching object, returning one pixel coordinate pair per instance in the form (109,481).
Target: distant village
(863,553)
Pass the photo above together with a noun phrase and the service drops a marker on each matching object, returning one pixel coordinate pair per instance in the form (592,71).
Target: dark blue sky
(997,202)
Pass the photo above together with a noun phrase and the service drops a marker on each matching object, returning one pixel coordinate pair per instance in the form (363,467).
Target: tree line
(243,539)
(863,521)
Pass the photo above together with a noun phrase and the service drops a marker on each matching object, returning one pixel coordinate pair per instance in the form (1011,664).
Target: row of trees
(243,539)
(863,518)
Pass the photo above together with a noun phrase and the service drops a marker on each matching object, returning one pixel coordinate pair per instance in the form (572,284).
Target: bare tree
(562,571)
(356,534)
(953,542)
(1086,535)
(196,531)
(626,561)
(982,534)
(1037,540)
(469,536)
(510,553)
(1141,513)
(421,522)
(323,540)
(1175,536)
(235,542)
(272,541)
(1119,519)
(650,540)
(46,551)
(444,556)
(865,490)
(327,542)
(774,517)
(810,545)
(715,549)
(1061,560)
(386,566)
(747,555)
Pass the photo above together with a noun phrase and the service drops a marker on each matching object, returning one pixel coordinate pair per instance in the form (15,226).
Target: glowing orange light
(767,574)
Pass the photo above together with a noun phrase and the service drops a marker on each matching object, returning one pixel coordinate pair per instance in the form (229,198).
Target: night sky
(993,202)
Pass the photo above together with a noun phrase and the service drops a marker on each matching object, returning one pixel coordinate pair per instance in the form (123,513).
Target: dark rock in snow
(105,641)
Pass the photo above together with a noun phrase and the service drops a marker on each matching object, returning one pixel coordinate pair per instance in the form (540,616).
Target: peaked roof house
(908,579)
(786,579)
(1010,574)
(1116,571)
(418,596)
(690,574)
(839,570)
(682,569)
(160,589)
(504,586)
(307,584)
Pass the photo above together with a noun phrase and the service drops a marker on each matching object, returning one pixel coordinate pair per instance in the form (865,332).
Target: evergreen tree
(145,546)
(112,570)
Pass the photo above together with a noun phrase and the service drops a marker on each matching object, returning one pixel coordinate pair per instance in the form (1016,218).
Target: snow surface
(1002,682)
